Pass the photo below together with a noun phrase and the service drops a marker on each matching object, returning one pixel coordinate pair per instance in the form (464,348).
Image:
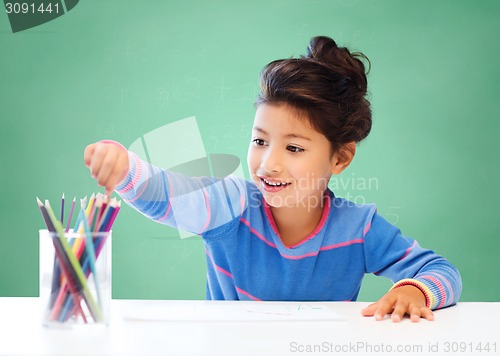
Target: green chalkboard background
(120,69)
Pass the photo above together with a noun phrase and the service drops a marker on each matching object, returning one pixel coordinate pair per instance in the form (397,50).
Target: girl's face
(288,160)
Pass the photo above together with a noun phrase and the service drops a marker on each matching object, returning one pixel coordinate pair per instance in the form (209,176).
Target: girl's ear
(343,157)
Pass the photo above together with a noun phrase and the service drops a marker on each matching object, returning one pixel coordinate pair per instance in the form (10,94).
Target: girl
(284,235)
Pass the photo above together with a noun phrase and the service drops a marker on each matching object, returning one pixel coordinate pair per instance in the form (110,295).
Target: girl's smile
(273,185)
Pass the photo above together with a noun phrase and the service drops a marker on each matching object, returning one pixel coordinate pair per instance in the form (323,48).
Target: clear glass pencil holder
(75,278)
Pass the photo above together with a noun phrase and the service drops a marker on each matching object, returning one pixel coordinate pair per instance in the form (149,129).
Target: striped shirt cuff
(430,298)
(132,176)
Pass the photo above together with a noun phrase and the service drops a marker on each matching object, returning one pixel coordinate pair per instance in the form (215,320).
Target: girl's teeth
(276,184)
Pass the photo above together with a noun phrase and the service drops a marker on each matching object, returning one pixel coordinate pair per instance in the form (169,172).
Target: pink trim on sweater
(209,213)
(290,257)
(367,228)
(170,193)
(247,294)
(269,215)
(227,273)
(145,185)
(220,269)
(114,143)
(452,297)
(415,284)
(137,175)
(310,254)
(242,203)
(256,233)
(439,286)
(408,250)
(342,244)
(317,229)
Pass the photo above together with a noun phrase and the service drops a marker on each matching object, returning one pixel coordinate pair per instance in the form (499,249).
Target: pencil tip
(63,196)
(39,201)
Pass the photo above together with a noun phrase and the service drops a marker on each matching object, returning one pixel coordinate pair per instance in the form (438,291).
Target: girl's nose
(272,161)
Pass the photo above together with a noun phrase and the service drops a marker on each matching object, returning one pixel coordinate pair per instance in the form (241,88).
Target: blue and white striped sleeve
(194,204)
(401,259)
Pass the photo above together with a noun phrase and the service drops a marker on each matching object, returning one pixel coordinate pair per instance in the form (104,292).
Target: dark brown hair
(328,85)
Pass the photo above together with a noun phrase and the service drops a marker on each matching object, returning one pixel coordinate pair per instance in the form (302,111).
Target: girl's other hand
(108,163)
(400,301)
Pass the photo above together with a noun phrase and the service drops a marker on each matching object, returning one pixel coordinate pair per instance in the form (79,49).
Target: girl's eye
(258,142)
(294,149)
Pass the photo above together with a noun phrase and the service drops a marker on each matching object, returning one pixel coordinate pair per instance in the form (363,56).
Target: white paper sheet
(232,311)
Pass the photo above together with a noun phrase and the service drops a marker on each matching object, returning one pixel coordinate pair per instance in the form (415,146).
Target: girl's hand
(400,301)
(108,163)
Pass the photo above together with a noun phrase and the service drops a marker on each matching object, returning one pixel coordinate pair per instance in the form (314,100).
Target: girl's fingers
(383,309)
(399,312)
(379,309)
(116,177)
(87,154)
(109,191)
(96,161)
(369,310)
(414,312)
(427,313)
(107,168)
(121,169)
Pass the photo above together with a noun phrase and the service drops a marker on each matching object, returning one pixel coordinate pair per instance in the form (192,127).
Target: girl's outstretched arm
(194,204)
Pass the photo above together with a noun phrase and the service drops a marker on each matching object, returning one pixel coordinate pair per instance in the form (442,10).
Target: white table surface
(459,330)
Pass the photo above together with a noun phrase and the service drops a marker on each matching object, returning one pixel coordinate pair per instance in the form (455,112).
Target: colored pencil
(90,205)
(89,245)
(62,209)
(70,214)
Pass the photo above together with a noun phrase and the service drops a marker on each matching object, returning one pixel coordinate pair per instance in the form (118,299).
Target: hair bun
(321,47)
(328,85)
(341,61)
